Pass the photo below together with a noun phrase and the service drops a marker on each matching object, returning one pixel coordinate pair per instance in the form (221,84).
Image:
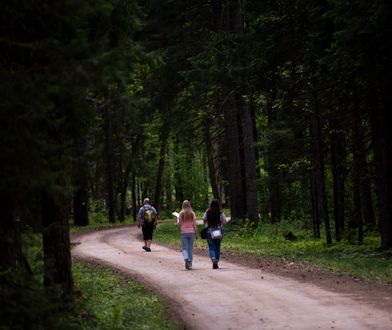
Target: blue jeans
(187,245)
(214,246)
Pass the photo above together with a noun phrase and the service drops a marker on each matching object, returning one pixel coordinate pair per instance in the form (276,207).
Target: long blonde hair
(187,210)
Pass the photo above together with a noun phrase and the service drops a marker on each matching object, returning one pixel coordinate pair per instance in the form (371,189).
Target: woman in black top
(214,219)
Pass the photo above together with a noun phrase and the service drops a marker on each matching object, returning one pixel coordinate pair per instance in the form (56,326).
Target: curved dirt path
(232,297)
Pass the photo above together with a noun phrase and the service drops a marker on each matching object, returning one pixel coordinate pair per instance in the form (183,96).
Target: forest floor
(245,292)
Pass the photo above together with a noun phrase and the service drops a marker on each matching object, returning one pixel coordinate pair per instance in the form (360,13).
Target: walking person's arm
(223,219)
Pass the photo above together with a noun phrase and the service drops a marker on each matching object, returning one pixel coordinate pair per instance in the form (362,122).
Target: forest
(279,109)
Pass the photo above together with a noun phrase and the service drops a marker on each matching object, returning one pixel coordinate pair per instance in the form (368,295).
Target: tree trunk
(80,205)
(250,166)
(161,166)
(210,160)
(134,200)
(123,191)
(274,185)
(361,185)
(56,243)
(356,214)
(169,203)
(81,180)
(315,207)
(318,165)
(222,171)
(274,201)
(240,166)
(338,151)
(233,160)
(381,118)
(368,216)
(109,159)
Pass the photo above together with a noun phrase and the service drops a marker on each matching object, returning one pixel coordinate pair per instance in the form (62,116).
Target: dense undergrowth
(358,260)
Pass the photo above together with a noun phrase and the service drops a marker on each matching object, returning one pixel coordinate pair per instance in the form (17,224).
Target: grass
(362,261)
(96,220)
(109,301)
(103,298)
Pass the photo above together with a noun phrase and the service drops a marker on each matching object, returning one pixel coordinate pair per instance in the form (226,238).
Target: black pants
(147,228)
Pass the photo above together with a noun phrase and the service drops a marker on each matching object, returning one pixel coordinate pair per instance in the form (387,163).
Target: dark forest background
(280,109)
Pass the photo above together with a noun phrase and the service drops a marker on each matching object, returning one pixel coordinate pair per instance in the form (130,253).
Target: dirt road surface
(232,297)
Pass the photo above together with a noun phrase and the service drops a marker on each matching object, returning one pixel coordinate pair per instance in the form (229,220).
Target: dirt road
(232,297)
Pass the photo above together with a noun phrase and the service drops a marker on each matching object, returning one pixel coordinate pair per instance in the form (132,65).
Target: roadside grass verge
(363,261)
(103,298)
(108,300)
(97,220)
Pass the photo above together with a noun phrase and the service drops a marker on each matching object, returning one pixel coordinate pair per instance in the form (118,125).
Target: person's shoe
(187,264)
(215,264)
(145,248)
(148,249)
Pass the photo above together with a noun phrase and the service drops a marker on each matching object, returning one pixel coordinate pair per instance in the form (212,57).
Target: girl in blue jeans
(214,219)
(187,222)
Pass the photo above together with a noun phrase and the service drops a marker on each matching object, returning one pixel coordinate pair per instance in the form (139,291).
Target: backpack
(149,215)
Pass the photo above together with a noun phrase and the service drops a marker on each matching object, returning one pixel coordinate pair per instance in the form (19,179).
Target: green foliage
(109,301)
(33,252)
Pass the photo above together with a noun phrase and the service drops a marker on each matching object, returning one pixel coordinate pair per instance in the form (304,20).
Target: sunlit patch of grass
(109,301)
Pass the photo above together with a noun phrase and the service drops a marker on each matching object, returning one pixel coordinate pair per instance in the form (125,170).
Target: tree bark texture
(338,158)
(274,185)
(161,166)
(381,118)
(318,165)
(80,205)
(368,214)
(109,160)
(315,208)
(233,160)
(241,165)
(56,242)
(250,166)
(360,194)
(123,191)
(210,160)
(134,198)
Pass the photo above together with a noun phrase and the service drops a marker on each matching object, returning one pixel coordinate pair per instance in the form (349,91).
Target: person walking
(214,220)
(148,217)
(188,225)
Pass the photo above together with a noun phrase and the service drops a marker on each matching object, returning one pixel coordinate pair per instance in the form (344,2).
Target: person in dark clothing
(214,220)
(148,217)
